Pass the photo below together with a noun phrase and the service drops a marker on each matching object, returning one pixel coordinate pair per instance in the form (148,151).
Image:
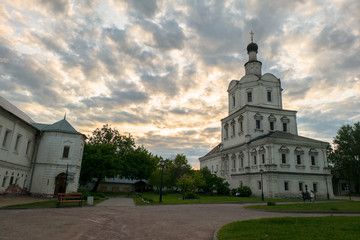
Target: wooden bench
(69,197)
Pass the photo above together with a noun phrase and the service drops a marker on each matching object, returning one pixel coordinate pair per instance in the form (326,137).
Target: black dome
(252,47)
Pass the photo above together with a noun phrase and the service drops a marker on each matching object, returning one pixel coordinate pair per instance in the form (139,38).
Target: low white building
(260,146)
(41,158)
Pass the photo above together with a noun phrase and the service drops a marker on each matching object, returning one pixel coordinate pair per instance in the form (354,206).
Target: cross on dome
(252,36)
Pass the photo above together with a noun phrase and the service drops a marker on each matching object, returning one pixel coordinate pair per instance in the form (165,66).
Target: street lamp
(162,164)
(262,186)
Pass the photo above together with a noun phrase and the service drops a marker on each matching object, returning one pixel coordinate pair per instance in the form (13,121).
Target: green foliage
(345,159)
(107,153)
(147,199)
(186,183)
(190,195)
(244,191)
(271,203)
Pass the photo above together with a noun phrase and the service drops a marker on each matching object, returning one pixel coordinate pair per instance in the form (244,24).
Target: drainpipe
(38,137)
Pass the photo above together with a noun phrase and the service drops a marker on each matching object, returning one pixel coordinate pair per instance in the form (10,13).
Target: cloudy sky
(160,69)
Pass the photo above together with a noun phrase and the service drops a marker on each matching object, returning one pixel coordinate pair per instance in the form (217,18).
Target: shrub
(147,199)
(190,195)
(244,191)
(271,203)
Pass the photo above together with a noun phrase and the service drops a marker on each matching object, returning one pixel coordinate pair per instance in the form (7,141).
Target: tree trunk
(97,183)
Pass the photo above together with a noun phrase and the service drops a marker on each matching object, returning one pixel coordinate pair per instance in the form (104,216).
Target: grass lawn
(320,206)
(176,198)
(51,203)
(294,228)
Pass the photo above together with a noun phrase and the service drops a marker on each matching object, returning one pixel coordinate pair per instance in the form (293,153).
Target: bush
(244,191)
(146,199)
(271,203)
(190,195)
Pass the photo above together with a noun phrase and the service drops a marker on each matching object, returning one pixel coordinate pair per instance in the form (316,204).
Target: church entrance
(60,183)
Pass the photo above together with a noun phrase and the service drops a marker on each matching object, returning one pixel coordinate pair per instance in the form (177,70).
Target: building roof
(7,106)
(214,150)
(60,126)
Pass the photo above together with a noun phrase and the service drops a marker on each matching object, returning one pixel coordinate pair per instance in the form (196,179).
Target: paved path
(128,222)
(117,202)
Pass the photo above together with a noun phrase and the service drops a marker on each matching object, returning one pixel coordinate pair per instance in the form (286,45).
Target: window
(226,128)
(315,187)
(27,147)
(233,128)
(301,188)
(269,96)
(313,162)
(258,117)
(66,152)
(233,100)
(242,162)
(6,138)
(286,186)
(212,169)
(17,143)
(11,180)
(263,158)
(241,126)
(285,127)
(258,124)
(4,182)
(249,96)
(298,159)
(283,158)
(272,126)
(234,163)
(255,160)
(259,183)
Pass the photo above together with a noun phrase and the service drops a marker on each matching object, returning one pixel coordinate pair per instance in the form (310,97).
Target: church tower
(260,146)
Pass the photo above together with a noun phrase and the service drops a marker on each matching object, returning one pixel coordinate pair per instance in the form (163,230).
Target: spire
(65,116)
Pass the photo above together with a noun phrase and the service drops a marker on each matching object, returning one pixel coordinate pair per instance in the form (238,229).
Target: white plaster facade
(38,157)
(260,139)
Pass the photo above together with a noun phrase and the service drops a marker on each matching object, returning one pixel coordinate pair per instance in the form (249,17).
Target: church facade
(260,146)
(38,158)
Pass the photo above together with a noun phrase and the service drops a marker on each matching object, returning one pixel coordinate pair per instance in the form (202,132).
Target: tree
(345,159)
(139,163)
(104,155)
(176,168)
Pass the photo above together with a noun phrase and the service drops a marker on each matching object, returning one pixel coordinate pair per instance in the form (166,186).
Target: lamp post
(262,186)
(162,164)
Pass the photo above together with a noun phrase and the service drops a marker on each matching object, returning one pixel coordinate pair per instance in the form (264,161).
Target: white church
(260,146)
(43,159)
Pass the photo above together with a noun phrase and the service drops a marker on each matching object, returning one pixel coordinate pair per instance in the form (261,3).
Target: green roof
(60,126)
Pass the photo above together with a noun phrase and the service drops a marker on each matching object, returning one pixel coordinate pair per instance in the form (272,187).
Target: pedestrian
(312,196)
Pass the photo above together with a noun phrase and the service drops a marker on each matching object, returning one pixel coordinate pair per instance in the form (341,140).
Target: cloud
(160,69)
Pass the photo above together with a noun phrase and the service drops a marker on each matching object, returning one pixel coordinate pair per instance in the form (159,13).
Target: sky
(159,70)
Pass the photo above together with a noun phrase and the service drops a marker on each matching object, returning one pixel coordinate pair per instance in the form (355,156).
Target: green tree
(176,168)
(345,159)
(186,183)
(104,155)
(139,163)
